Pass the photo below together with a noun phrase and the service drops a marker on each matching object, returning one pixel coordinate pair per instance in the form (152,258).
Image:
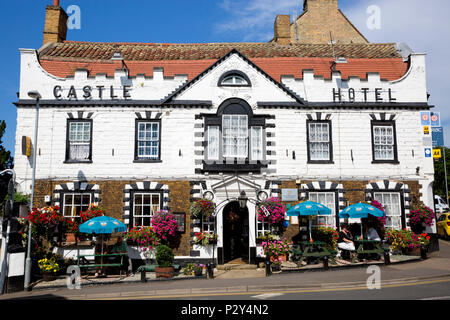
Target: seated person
(345,241)
(121,247)
(371,233)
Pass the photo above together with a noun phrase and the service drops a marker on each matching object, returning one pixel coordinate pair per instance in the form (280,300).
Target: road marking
(267,296)
(356,288)
(436,298)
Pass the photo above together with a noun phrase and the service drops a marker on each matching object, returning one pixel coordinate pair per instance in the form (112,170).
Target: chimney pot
(56,3)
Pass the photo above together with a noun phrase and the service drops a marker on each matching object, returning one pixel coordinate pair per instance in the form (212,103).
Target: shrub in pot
(164,259)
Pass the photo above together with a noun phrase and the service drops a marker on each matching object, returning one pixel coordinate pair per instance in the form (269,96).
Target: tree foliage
(6,162)
(439,173)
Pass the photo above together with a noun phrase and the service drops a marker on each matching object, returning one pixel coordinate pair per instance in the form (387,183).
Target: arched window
(234,78)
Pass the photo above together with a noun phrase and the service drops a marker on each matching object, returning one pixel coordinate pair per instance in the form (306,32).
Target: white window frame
(213,150)
(83,206)
(79,138)
(314,197)
(388,209)
(208,225)
(142,205)
(148,140)
(257,143)
(234,81)
(240,134)
(390,147)
(320,143)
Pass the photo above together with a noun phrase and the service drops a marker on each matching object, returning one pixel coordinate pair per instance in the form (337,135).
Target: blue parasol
(360,211)
(102,225)
(309,208)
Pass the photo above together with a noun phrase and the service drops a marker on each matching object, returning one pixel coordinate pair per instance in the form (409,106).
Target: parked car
(440,205)
(443,226)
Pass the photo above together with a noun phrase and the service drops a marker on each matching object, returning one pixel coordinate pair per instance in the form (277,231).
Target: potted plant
(71,228)
(277,250)
(328,235)
(198,269)
(48,268)
(164,259)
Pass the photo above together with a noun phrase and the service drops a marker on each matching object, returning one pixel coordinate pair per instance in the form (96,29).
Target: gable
(263,88)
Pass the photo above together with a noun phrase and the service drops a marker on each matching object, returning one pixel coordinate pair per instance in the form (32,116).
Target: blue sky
(200,21)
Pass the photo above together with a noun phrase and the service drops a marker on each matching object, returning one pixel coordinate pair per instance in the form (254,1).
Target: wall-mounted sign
(364,94)
(289,195)
(180,217)
(435,118)
(438,136)
(425,118)
(426,130)
(428,153)
(26,146)
(437,153)
(95,92)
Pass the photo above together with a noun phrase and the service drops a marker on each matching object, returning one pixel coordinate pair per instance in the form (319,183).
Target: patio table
(316,249)
(361,251)
(83,262)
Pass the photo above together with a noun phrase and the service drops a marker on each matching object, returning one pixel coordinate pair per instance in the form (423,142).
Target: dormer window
(234,79)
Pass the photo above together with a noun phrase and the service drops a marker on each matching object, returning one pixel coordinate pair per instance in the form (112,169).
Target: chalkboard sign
(181,220)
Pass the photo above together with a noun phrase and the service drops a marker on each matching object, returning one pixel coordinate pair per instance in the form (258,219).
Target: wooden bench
(151,268)
(87,265)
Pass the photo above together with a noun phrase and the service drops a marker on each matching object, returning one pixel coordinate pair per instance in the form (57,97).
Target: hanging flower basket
(271,210)
(202,208)
(420,218)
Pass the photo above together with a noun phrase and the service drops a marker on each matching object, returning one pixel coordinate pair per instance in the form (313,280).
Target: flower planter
(165,272)
(198,272)
(280,258)
(71,238)
(48,277)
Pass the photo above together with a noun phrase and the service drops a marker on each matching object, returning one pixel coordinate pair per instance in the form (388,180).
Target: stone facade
(319,19)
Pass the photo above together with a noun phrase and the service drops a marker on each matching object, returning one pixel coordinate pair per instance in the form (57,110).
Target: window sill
(147,161)
(77,161)
(320,162)
(385,162)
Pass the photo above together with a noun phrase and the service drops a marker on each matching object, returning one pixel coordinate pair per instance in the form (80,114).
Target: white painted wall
(114,127)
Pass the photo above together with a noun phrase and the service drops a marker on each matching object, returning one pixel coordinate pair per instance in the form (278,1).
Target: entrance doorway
(235,233)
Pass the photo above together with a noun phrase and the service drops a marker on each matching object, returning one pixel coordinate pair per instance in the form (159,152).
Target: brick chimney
(55,23)
(282,29)
(320,4)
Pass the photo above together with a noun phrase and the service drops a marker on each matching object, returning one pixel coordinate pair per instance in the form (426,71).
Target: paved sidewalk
(436,267)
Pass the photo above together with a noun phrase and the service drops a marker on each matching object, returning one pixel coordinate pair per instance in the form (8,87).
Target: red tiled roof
(62,59)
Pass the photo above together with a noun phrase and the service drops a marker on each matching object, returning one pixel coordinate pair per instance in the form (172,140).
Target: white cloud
(423,25)
(255,18)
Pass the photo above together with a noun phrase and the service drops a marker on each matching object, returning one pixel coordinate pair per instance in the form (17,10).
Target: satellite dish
(404,50)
